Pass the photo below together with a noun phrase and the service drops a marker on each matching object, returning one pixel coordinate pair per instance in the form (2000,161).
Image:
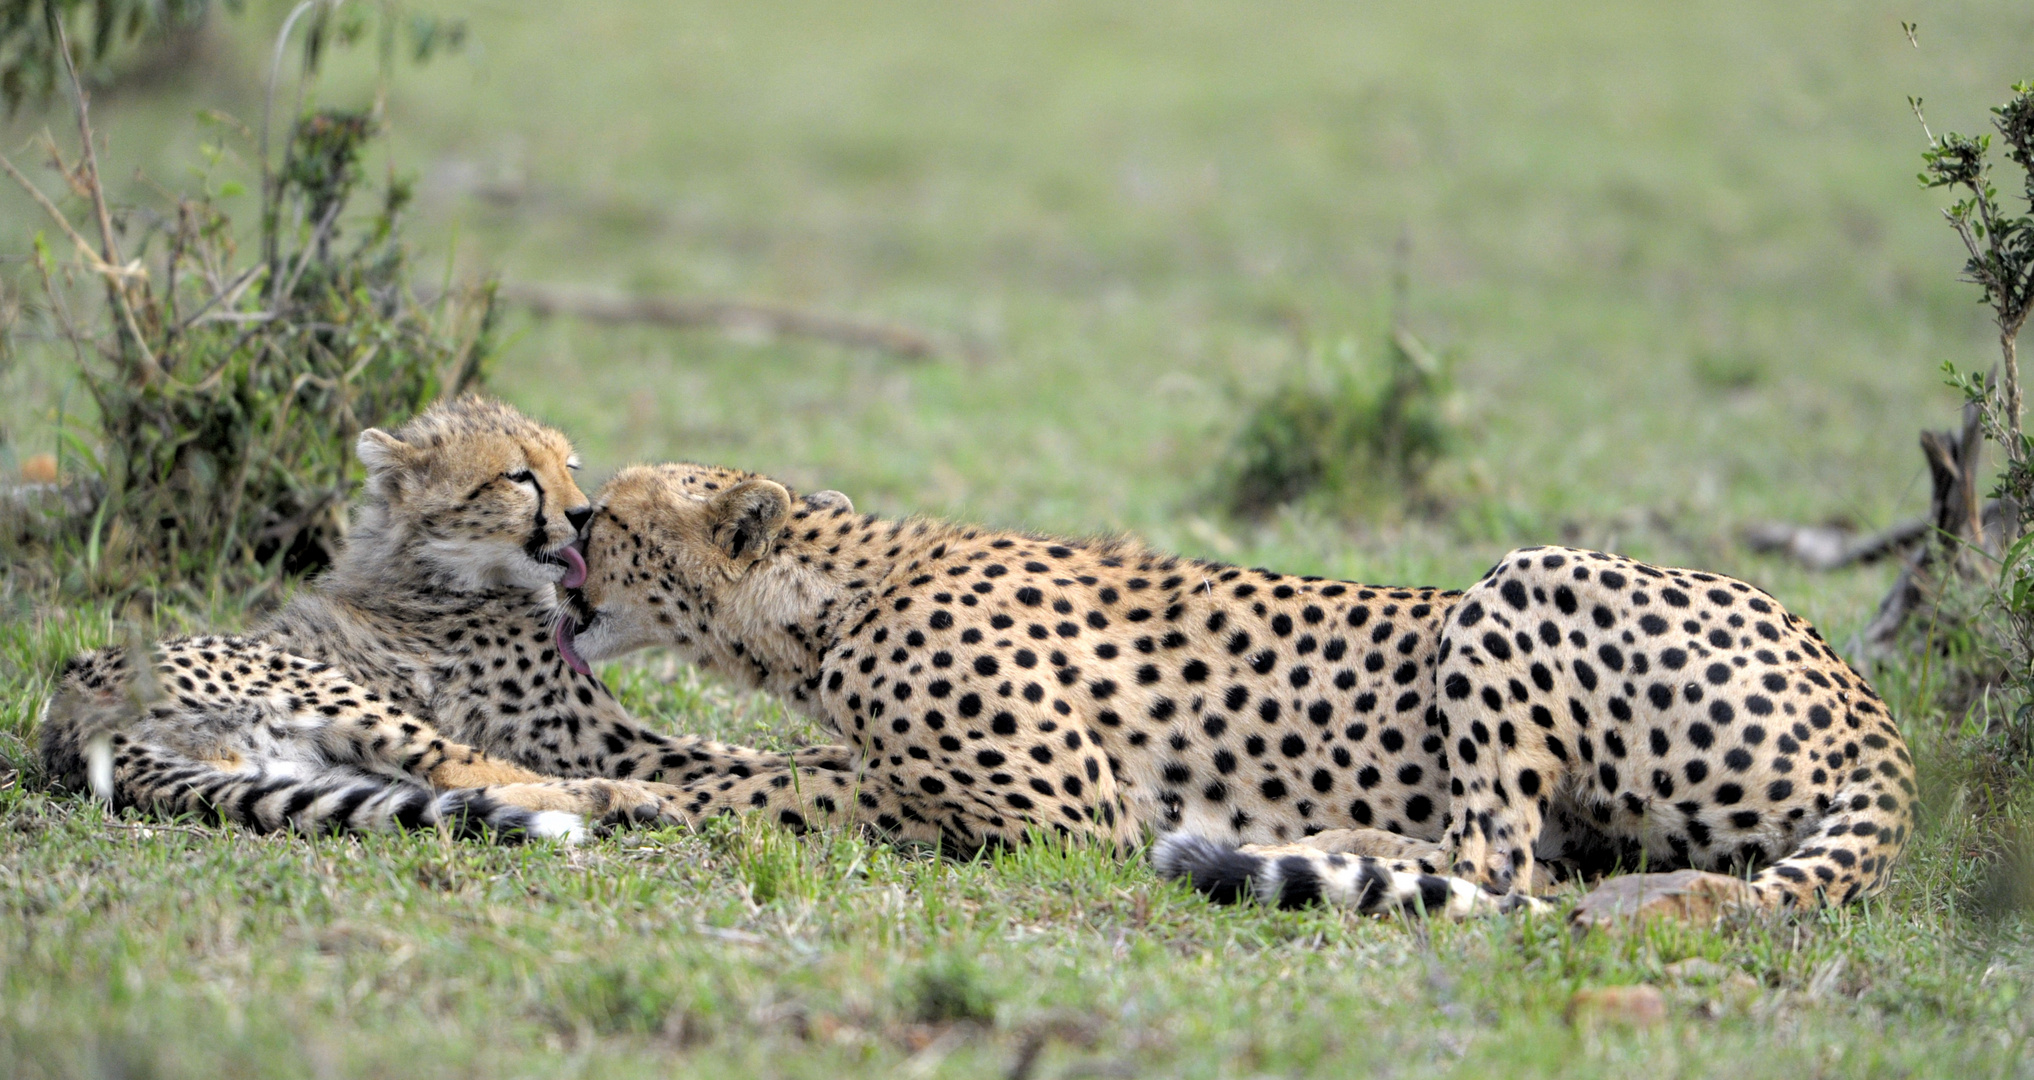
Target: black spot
(1514,593)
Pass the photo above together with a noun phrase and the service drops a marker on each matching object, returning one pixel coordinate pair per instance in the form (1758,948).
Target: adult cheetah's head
(476,489)
(666,544)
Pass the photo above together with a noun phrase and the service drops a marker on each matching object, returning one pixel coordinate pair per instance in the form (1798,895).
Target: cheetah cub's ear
(385,456)
(744,521)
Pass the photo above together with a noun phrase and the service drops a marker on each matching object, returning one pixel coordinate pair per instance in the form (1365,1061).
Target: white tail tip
(563,826)
(99,766)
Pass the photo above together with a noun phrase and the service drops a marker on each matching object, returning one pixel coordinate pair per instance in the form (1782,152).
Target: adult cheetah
(1359,742)
(416,682)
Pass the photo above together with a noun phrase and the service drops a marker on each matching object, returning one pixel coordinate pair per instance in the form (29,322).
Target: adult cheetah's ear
(744,520)
(829,500)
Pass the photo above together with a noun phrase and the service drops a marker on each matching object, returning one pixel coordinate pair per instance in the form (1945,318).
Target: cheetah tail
(267,799)
(1297,875)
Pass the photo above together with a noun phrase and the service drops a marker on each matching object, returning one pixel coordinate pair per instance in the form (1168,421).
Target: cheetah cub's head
(476,490)
(673,547)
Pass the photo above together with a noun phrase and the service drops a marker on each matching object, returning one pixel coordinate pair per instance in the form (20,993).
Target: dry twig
(737,315)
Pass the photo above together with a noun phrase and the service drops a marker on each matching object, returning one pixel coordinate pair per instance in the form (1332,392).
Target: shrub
(31,58)
(1344,435)
(1994,623)
(229,388)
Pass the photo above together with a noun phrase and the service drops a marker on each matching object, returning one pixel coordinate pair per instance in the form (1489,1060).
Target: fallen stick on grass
(1832,547)
(546,301)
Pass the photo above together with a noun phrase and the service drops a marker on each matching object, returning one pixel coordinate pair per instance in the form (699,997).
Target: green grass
(164,949)
(1691,284)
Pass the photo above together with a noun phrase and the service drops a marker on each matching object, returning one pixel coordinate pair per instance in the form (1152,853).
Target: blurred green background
(1688,281)
(1678,251)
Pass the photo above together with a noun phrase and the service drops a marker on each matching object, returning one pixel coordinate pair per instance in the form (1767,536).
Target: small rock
(1690,896)
(1629,1006)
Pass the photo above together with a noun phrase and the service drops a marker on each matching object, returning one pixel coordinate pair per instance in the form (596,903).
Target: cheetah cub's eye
(572,463)
(521,476)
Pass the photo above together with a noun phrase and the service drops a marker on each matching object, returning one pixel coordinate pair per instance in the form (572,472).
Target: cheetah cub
(415,683)
(1294,738)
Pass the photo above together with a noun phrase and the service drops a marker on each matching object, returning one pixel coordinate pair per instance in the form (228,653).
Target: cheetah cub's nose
(578,516)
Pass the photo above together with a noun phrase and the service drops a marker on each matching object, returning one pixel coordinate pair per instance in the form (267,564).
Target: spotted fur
(420,668)
(1294,738)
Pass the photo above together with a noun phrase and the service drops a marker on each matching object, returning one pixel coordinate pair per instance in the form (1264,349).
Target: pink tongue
(565,647)
(575,567)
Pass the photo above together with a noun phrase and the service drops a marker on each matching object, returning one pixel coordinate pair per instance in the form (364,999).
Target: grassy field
(1689,282)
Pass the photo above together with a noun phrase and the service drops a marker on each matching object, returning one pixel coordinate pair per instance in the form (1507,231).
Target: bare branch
(116,286)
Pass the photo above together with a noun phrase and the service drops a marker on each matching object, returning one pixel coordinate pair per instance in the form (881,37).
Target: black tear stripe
(537,537)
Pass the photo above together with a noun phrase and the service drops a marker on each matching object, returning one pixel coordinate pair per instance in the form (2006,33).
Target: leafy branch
(229,390)
(2000,246)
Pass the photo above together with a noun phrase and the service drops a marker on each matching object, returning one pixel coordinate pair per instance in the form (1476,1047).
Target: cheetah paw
(632,804)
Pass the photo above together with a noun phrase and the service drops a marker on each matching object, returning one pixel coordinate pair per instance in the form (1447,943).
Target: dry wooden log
(1832,547)
(1957,524)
